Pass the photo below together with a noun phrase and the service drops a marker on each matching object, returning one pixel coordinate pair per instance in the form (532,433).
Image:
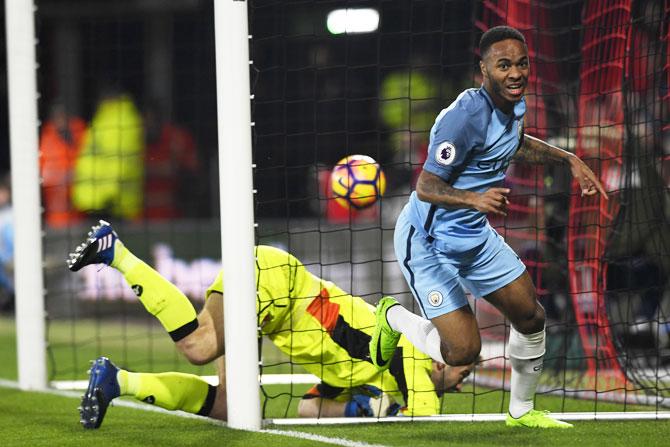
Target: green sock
(171,390)
(158,295)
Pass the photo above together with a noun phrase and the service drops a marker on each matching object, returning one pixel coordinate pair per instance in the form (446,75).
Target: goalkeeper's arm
(373,403)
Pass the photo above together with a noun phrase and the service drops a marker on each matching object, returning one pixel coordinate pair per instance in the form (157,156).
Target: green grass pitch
(38,419)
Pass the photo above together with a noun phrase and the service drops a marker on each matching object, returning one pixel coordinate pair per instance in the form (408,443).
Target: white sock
(526,353)
(419,331)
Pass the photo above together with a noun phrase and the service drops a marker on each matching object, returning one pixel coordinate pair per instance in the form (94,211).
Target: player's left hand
(588,182)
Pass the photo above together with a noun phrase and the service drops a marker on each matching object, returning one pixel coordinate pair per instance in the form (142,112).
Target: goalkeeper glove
(377,405)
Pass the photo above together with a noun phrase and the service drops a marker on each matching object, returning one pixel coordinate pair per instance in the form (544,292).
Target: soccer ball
(357,182)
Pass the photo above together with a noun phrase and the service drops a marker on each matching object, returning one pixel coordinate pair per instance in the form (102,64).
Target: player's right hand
(493,201)
(381,406)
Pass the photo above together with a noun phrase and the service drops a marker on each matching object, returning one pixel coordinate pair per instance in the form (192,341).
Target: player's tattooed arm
(432,189)
(536,151)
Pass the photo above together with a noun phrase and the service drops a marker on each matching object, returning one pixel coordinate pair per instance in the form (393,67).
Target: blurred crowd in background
(126,164)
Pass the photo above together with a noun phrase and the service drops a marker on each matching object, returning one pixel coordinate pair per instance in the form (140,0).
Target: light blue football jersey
(471,145)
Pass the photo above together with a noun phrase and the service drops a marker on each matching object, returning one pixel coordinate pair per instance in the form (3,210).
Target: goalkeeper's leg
(177,391)
(196,336)
(199,338)
(171,390)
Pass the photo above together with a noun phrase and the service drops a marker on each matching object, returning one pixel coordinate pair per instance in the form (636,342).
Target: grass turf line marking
(320,438)
(476,417)
(146,407)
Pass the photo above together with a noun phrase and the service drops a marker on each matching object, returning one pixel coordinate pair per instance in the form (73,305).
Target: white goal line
(482,417)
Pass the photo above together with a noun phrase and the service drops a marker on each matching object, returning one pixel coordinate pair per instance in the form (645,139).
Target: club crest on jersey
(445,153)
(435,298)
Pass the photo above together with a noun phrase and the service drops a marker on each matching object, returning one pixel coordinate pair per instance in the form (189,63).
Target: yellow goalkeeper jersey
(327,331)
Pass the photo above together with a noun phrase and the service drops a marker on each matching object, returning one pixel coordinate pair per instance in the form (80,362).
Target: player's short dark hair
(496,34)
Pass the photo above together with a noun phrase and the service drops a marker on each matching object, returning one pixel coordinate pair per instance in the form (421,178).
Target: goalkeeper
(311,320)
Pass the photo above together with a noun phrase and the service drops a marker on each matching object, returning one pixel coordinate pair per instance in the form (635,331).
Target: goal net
(597,88)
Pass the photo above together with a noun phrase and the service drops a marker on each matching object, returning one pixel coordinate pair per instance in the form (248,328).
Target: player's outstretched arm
(372,403)
(319,407)
(534,150)
(432,189)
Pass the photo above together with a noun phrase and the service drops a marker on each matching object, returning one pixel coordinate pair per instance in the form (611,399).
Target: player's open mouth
(515,89)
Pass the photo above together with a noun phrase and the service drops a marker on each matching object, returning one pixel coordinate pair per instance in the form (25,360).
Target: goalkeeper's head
(449,379)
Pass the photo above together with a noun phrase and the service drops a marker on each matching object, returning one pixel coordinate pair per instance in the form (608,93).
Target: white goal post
(28,256)
(237,215)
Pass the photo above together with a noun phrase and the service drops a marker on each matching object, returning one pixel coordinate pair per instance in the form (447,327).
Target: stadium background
(599,87)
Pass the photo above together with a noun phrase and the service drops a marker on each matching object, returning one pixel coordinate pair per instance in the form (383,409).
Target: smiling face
(505,67)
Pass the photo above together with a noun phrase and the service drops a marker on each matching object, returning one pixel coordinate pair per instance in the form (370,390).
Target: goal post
(237,217)
(23,122)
